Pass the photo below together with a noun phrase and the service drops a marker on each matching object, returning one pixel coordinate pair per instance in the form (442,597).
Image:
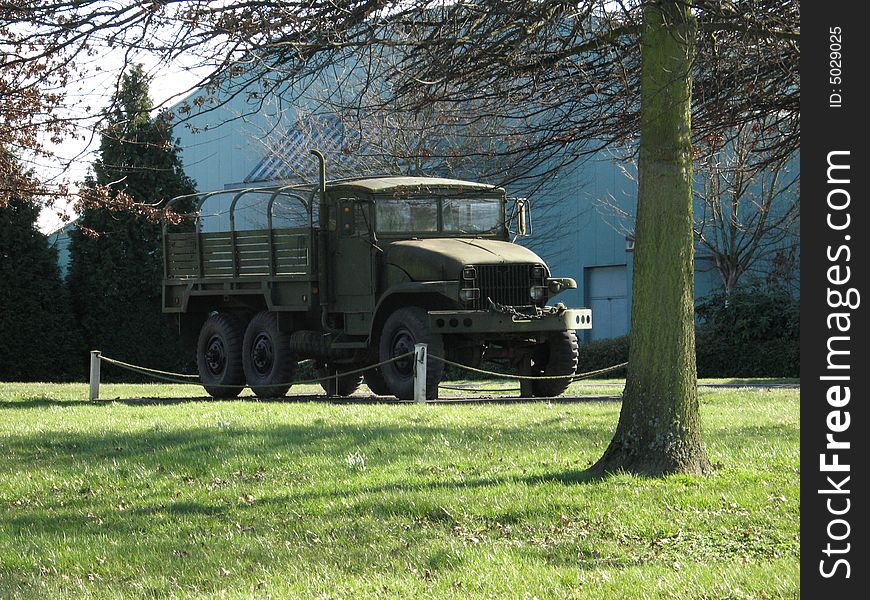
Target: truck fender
(431,295)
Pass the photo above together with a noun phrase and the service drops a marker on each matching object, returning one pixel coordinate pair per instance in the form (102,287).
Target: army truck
(353,273)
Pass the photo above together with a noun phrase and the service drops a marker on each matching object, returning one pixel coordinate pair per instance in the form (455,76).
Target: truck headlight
(537,292)
(469,294)
(469,274)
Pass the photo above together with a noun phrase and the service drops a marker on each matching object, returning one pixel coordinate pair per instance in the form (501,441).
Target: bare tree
(572,68)
(749,213)
(659,429)
(748,206)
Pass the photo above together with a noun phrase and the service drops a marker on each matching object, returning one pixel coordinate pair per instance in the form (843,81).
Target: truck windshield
(458,215)
(471,215)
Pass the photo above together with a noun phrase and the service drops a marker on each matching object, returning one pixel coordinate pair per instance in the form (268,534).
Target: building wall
(59,239)
(571,233)
(579,237)
(221,145)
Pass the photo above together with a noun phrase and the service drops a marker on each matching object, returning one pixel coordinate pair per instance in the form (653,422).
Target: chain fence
(572,376)
(181,378)
(188,379)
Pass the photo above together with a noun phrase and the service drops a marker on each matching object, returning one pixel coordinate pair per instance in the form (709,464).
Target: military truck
(353,273)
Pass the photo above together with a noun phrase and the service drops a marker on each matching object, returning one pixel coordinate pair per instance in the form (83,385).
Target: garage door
(607,297)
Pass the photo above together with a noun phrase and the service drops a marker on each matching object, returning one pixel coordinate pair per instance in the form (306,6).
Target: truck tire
(557,356)
(404,329)
(347,384)
(266,356)
(219,355)
(374,378)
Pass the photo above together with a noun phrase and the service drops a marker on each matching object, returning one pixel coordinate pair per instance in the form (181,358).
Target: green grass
(316,500)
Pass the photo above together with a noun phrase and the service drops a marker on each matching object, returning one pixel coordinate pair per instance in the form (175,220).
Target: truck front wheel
(219,355)
(556,356)
(266,356)
(404,329)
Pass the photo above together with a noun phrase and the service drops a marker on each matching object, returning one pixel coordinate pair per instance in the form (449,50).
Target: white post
(420,356)
(95,375)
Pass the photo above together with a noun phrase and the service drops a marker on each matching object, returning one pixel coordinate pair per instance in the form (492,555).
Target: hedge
(753,332)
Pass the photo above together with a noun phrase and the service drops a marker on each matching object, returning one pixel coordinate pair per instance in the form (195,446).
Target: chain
(171,377)
(184,379)
(513,312)
(572,376)
(146,370)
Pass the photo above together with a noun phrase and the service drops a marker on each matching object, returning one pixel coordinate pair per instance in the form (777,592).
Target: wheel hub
(403,342)
(262,354)
(216,356)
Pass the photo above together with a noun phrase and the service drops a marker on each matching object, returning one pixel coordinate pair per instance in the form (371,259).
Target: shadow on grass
(205,445)
(416,501)
(192,459)
(209,446)
(756,382)
(184,489)
(42,402)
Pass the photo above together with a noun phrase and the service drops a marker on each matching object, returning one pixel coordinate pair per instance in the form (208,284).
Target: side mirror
(524,217)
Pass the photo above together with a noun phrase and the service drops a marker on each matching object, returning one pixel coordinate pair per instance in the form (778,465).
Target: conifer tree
(39,340)
(116,255)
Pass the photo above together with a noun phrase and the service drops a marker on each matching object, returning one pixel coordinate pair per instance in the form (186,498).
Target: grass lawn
(318,500)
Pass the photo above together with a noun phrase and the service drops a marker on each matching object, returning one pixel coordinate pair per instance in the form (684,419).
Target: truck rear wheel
(404,329)
(219,356)
(266,356)
(557,356)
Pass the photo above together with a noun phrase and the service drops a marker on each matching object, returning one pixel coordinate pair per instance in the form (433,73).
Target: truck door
(353,261)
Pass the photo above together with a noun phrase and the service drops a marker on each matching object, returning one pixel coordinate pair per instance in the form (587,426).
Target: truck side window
(407,215)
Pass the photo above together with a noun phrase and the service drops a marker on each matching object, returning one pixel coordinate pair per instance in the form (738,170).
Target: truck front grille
(504,284)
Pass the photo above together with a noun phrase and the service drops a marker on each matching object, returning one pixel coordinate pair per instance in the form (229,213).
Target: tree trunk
(659,429)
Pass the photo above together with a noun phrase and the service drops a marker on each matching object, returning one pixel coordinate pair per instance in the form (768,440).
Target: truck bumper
(491,321)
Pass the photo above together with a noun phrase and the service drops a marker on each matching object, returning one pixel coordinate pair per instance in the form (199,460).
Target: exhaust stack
(322,168)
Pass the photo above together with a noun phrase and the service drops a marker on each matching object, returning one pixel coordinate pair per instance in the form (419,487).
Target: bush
(115,276)
(40,338)
(754,332)
(600,354)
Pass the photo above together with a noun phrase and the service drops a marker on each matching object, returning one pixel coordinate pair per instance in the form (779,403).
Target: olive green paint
(443,258)
(337,276)
(409,184)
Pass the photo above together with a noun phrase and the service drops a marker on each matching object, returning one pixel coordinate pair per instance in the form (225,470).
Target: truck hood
(442,259)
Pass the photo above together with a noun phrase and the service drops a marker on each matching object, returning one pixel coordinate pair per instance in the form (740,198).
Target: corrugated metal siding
(345,155)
